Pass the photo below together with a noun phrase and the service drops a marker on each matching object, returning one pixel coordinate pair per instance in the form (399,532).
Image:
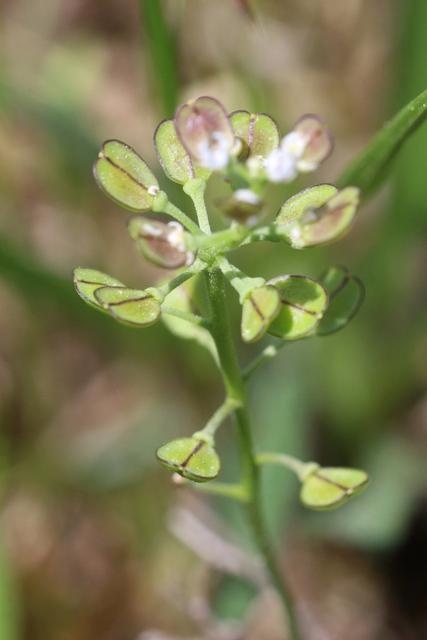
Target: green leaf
(258,133)
(346,294)
(312,197)
(326,224)
(192,458)
(303,301)
(330,487)
(163,244)
(258,310)
(368,170)
(162,53)
(130,306)
(174,159)
(87,281)
(124,177)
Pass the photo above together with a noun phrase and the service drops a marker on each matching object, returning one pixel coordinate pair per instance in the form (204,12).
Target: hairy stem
(250,480)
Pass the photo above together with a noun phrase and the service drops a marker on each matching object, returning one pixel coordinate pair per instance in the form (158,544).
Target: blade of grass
(163,55)
(369,169)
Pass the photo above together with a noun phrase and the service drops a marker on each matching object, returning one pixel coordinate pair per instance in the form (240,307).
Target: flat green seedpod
(330,487)
(123,175)
(163,244)
(174,159)
(130,306)
(328,223)
(258,310)
(303,301)
(192,458)
(313,197)
(259,133)
(87,281)
(346,294)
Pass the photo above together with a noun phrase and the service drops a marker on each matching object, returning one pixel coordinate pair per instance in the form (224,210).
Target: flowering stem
(250,481)
(197,267)
(242,283)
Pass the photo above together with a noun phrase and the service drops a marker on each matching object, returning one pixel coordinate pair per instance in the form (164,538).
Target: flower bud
(205,131)
(124,177)
(258,310)
(87,281)
(346,293)
(192,458)
(130,306)
(258,133)
(303,301)
(163,244)
(330,487)
(174,159)
(243,206)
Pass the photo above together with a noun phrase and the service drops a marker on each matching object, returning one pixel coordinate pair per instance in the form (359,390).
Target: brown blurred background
(95,542)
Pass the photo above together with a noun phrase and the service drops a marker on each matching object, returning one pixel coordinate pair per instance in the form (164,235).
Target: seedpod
(318,226)
(258,133)
(330,487)
(303,301)
(319,145)
(258,311)
(311,198)
(176,162)
(192,458)
(346,294)
(163,244)
(130,306)
(87,281)
(124,177)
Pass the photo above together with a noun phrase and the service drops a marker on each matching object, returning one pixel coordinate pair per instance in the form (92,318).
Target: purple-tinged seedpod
(175,161)
(163,244)
(320,220)
(319,142)
(243,206)
(124,177)
(205,131)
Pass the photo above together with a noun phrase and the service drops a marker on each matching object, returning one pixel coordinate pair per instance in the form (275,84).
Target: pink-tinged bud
(318,142)
(205,131)
(162,244)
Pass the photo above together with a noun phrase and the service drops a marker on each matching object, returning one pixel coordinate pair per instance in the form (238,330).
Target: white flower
(247,195)
(280,166)
(214,152)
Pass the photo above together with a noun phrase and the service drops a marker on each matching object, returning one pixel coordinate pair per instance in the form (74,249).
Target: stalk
(250,480)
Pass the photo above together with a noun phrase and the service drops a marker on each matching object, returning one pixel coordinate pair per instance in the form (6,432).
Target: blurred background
(96,544)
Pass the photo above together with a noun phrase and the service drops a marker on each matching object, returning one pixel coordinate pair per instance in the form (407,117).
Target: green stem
(227,407)
(302,469)
(225,489)
(242,283)
(267,354)
(250,481)
(185,315)
(163,205)
(196,190)
(197,267)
